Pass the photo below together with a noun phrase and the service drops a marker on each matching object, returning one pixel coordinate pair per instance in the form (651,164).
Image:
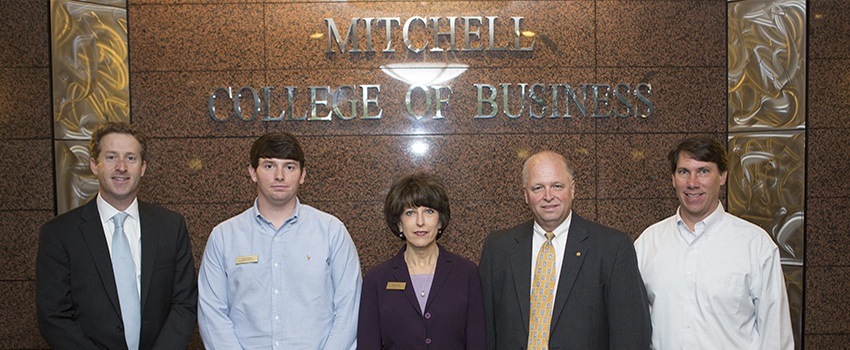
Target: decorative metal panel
(73,171)
(90,73)
(794,286)
(767,64)
(766,185)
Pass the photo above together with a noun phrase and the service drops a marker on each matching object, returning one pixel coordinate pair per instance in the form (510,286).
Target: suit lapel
(149,238)
(401,274)
(92,231)
(441,274)
(521,268)
(574,254)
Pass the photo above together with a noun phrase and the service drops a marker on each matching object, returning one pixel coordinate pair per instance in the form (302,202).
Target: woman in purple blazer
(424,297)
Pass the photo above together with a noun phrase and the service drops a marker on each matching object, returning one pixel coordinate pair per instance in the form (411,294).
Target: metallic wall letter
(467,34)
(405,34)
(435,22)
(492,47)
(211,105)
(389,27)
(427,101)
(333,34)
(643,99)
(491,101)
(238,109)
(439,101)
(505,100)
(538,100)
(338,93)
(367,101)
(623,100)
(597,99)
(314,101)
(517,35)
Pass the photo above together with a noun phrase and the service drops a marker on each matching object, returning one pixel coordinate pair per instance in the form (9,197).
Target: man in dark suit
(116,273)
(587,291)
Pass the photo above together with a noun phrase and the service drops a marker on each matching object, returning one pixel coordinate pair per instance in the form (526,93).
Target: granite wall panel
(827,301)
(828,151)
(829,27)
(18,329)
(19,242)
(828,99)
(684,99)
(26,103)
(653,33)
(24,34)
(826,236)
(30,179)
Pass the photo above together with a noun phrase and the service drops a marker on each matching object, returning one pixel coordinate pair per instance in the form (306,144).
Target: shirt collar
(561,231)
(707,224)
(294,218)
(107,211)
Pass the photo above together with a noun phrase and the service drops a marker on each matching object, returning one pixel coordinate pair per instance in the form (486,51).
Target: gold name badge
(246,259)
(396,285)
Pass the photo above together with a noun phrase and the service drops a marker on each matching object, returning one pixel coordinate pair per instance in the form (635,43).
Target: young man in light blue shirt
(282,274)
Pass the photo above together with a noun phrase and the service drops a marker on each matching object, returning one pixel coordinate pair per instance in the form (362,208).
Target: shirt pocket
(722,293)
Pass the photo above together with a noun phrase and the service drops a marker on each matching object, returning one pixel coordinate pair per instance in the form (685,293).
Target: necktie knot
(549,236)
(118,219)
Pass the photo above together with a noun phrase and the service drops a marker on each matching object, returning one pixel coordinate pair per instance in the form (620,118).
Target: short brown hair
(413,191)
(700,148)
(280,145)
(116,128)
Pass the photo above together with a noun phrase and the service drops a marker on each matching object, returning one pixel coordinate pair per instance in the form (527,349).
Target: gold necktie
(542,296)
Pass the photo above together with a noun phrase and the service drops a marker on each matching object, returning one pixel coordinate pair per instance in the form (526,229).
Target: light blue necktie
(125,279)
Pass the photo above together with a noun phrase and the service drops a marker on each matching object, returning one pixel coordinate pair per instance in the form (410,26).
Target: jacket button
(119,329)
(428,315)
(427,340)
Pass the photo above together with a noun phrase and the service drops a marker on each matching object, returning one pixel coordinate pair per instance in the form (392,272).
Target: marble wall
(181,50)
(827,267)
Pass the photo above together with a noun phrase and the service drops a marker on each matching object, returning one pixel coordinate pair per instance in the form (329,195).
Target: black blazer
(76,297)
(601,300)
(454,312)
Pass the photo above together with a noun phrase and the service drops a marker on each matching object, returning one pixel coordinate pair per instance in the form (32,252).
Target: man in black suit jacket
(600,301)
(77,297)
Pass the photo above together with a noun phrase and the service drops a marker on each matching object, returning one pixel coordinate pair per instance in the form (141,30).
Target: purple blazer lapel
(441,274)
(401,274)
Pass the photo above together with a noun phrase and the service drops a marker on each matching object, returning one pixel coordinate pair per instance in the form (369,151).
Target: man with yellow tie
(560,281)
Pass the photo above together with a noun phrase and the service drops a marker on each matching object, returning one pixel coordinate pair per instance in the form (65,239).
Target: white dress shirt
(718,287)
(559,243)
(132,229)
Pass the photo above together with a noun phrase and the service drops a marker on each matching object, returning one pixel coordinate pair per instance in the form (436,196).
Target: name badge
(246,259)
(396,285)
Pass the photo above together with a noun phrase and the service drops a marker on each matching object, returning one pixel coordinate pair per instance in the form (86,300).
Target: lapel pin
(578,253)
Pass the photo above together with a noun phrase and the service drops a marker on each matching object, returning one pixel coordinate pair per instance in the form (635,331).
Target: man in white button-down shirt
(714,281)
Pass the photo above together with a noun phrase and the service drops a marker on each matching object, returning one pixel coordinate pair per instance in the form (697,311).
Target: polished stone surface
(829,25)
(828,97)
(18,329)
(827,301)
(24,33)
(19,242)
(826,232)
(26,103)
(30,184)
(828,151)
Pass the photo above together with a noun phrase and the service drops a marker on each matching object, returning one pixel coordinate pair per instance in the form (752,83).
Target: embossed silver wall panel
(72,170)
(767,64)
(90,86)
(766,185)
(90,73)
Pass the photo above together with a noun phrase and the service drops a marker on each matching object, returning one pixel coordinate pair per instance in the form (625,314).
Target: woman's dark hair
(413,191)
